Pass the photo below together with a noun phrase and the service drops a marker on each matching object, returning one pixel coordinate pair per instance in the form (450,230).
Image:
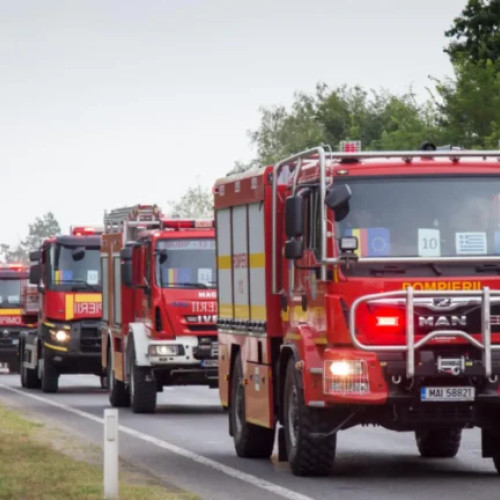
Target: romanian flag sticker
(176,275)
(62,276)
(372,241)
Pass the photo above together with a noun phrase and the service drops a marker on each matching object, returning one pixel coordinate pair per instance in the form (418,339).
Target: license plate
(447,393)
(210,363)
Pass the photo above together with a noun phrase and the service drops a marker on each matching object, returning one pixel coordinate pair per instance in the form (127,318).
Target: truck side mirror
(78,253)
(126,266)
(294,217)
(294,249)
(337,199)
(35,274)
(35,256)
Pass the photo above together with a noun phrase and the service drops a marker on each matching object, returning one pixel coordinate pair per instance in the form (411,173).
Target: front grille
(193,327)
(90,340)
(7,337)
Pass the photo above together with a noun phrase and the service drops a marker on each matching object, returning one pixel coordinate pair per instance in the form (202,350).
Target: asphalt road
(187,444)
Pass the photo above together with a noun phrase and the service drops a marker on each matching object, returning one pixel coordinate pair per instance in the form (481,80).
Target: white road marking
(225,469)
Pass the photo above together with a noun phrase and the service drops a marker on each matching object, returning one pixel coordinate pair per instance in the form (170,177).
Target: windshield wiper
(488,268)
(79,282)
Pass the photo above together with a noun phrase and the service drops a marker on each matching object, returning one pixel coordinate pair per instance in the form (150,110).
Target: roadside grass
(32,469)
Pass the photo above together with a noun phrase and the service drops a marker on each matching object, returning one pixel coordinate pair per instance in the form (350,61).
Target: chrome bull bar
(483,297)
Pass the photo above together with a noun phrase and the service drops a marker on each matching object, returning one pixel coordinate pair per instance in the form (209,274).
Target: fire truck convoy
(67,336)
(159,304)
(12,278)
(360,288)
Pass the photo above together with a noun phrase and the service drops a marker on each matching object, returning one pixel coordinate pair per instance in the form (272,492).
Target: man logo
(433,321)
(442,303)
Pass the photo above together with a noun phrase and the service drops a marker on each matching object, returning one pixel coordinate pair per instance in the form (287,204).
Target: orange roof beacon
(66,337)
(160,309)
(360,288)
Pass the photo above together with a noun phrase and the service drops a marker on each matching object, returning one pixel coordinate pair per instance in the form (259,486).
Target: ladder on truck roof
(131,220)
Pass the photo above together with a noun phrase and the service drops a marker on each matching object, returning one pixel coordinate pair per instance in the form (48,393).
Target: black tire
(438,443)
(142,386)
(29,376)
(496,463)
(307,456)
(50,377)
(250,440)
(119,395)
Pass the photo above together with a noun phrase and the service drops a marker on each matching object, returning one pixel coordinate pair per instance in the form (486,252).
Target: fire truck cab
(67,338)
(160,307)
(360,288)
(12,279)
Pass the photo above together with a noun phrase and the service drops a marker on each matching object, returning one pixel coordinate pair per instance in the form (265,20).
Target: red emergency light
(85,231)
(350,146)
(187,224)
(13,267)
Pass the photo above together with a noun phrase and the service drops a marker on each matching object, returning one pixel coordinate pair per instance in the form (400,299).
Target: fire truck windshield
(185,263)
(428,217)
(10,293)
(73,268)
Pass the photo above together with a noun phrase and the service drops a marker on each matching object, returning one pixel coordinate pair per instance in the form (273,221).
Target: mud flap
(490,441)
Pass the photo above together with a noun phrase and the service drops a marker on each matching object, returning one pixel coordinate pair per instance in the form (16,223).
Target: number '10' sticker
(429,243)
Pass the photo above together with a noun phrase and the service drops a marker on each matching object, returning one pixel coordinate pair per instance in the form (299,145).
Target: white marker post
(111,453)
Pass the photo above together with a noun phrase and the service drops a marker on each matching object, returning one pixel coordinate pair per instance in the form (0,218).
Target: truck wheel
(438,443)
(118,394)
(142,386)
(29,376)
(50,377)
(250,440)
(307,456)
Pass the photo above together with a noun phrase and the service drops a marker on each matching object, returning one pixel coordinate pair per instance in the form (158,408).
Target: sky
(110,103)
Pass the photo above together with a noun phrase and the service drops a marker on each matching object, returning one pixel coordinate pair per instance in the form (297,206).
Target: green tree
(379,119)
(16,254)
(195,203)
(469,105)
(44,227)
(475,35)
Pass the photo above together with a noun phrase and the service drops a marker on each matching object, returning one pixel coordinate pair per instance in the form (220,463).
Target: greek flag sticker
(471,243)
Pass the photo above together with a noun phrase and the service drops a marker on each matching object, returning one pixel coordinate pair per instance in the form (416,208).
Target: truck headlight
(346,376)
(164,350)
(60,336)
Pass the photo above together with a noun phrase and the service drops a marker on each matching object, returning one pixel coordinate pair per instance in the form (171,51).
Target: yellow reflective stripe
(10,312)
(225,311)
(320,341)
(258,312)
(241,312)
(224,262)
(70,308)
(50,325)
(55,347)
(88,297)
(257,260)
(292,336)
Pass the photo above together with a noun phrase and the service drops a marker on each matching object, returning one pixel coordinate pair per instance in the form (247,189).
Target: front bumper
(9,341)
(196,361)
(81,353)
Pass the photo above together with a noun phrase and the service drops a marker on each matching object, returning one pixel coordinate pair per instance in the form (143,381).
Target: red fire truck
(67,338)
(160,311)
(12,277)
(360,288)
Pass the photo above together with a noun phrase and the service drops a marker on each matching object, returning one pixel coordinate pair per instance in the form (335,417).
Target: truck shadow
(187,409)
(404,467)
